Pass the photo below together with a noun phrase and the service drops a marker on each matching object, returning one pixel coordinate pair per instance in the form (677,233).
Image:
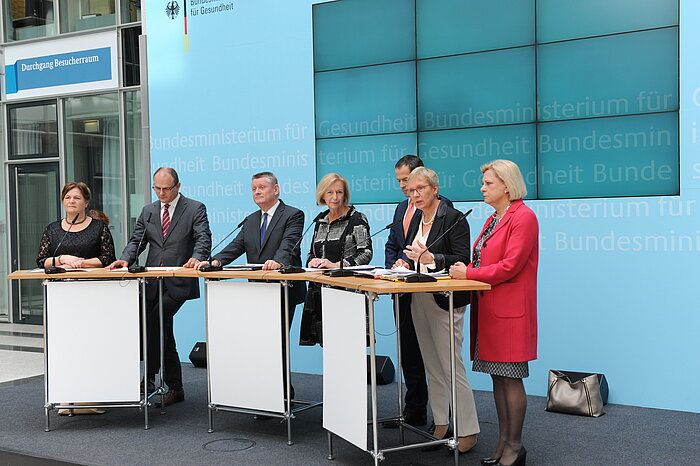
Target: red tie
(166,220)
(410,210)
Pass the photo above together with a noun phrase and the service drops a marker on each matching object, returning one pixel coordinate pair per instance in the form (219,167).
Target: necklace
(77,223)
(430,222)
(495,214)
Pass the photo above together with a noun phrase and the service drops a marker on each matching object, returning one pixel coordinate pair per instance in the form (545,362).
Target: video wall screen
(584,96)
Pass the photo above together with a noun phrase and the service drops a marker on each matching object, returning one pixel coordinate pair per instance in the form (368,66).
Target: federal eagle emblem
(172,9)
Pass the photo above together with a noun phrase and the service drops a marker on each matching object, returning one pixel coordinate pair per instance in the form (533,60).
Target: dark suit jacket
(396,242)
(188,236)
(283,233)
(451,248)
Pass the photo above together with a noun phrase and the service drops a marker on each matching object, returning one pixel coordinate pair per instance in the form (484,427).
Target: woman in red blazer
(504,319)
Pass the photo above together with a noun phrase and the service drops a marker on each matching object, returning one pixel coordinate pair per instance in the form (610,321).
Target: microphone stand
(218,268)
(135,267)
(53,269)
(419,277)
(342,272)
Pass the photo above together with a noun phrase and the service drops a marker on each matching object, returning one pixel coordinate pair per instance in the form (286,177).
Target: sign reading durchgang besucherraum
(61,66)
(58,70)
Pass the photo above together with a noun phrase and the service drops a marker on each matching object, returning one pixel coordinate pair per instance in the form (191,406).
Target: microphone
(135,267)
(218,268)
(293,268)
(421,277)
(53,269)
(341,272)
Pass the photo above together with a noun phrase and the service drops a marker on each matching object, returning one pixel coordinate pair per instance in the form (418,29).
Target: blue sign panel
(60,69)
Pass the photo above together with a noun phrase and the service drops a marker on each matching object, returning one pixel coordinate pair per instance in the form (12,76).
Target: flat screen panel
(362,32)
(448,27)
(370,100)
(457,155)
(244,345)
(93,343)
(345,365)
(603,157)
(615,75)
(367,162)
(559,20)
(481,89)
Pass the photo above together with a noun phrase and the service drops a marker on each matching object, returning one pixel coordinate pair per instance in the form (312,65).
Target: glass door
(34,203)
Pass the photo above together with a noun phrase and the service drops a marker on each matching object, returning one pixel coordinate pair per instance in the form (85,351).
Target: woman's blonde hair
(326,183)
(426,173)
(509,173)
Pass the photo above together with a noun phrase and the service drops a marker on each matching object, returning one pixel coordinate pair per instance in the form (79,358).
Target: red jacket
(506,316)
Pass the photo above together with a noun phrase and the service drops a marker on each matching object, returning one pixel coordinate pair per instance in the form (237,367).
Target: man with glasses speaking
(176,229)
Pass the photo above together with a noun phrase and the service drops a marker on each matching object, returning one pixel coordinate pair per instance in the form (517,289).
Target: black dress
(347,236)
(93,241)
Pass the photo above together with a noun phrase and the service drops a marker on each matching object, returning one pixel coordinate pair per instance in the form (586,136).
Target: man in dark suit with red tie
(176,229)
(416,400)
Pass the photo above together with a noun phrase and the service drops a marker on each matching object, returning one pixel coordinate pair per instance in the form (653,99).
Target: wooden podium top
(355,283)
(93,273)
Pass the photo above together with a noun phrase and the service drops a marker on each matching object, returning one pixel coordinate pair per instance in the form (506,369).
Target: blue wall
(617,276)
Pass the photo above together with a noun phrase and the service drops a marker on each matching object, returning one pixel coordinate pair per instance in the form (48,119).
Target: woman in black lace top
(341,233)
(88,243)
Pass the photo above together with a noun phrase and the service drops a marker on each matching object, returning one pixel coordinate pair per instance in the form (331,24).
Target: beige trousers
(432,325)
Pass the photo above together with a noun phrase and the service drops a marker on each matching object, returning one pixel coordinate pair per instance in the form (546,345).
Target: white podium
(246,334)
(348,316)
(93,322)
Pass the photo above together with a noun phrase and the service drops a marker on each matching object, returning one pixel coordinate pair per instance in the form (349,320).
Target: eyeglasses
(418,190)
(164,190)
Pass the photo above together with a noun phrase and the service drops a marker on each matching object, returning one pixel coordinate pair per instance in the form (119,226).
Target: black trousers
(172,371)
(416,400)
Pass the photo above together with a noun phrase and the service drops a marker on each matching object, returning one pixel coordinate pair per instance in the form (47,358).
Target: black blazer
(283,233)
(188,236)
(453,247)
(396,242)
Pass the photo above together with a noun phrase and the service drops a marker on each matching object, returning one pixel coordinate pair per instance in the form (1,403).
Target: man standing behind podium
(176,230)
(269,236)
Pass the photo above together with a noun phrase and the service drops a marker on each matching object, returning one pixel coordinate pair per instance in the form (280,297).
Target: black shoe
(490,461)
(261,417)
(173,396)
(519,460)
(151,387)
(415,420)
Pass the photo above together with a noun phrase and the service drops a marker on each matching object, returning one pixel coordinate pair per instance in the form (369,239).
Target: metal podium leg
(330,446)
(47,428)
(144,352)
(210,406)
(287,367)
(455,434)
(161,389)
(373,377)
(399,382)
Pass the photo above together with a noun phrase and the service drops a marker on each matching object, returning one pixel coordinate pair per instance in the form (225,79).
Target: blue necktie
(263,228)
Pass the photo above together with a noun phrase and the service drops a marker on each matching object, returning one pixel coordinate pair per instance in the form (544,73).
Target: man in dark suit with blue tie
(176,229)
(269,236)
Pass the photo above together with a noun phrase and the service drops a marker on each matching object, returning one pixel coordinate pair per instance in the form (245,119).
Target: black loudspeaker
(198,355)
(385,370)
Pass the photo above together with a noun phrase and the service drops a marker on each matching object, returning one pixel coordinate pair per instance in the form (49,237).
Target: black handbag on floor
(579,393)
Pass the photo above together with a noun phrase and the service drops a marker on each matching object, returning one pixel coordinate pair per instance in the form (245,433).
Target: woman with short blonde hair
(341,234)
(504,318)
(326,183)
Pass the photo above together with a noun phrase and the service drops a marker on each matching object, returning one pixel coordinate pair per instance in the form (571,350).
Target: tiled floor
(21,352)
